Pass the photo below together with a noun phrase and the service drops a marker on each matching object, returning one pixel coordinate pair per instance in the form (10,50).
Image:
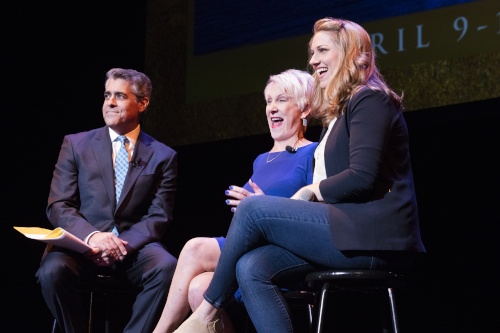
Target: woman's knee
(202,252)
(249,268)
(194,249)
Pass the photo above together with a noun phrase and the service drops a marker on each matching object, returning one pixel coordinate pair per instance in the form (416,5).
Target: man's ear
(143,104)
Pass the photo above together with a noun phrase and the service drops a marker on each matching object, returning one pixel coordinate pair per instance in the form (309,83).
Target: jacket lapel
(101,145)
(140,158)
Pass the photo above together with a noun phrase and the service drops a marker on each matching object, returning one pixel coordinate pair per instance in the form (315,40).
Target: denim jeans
(272,243)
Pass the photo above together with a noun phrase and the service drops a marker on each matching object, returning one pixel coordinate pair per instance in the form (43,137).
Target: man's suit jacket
(82,191)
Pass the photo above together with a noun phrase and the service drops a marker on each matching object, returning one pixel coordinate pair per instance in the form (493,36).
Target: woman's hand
(308,193)
(238,193)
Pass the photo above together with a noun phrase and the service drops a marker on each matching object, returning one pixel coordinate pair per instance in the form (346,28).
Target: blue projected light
(220,25)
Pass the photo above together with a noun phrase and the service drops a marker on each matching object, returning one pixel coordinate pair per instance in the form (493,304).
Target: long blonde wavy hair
(356,69)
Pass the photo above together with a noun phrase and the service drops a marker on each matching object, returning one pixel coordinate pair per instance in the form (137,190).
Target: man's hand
(106,248)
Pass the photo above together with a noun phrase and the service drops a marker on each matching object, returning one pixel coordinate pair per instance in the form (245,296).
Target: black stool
(364,281)
(99,290)
(302,300)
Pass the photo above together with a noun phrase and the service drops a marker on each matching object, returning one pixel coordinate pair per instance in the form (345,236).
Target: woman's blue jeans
(272,243)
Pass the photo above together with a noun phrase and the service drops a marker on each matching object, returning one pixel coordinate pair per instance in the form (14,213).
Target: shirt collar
(131,136)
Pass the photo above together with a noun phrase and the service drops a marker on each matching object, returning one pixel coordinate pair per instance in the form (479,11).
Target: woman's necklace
(272,159)
(292,149)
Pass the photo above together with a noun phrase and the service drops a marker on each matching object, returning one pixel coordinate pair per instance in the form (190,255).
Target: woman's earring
(304,122)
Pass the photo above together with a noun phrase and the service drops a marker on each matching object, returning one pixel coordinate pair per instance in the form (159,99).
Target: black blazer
(369,184)
(82,191)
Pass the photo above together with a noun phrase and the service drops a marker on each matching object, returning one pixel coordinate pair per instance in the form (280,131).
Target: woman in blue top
(282,171)
(366,214)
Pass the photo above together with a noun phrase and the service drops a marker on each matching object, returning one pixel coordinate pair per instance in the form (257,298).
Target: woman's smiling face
(324,57)
(283,114)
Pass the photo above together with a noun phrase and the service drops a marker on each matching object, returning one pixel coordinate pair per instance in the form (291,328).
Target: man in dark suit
(124,226)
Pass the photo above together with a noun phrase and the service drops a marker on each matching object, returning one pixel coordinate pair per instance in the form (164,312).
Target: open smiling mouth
(276,122)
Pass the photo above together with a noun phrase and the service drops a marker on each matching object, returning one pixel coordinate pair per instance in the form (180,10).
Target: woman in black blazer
(359,213)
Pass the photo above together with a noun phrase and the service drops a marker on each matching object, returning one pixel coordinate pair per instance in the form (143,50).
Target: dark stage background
(53,63)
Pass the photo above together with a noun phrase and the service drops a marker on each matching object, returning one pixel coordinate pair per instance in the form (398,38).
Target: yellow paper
(58,236)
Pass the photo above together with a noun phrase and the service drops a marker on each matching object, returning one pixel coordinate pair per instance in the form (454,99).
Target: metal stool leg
(91,317)
(394,318)
(55,327)
(310,308)
(321,308)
